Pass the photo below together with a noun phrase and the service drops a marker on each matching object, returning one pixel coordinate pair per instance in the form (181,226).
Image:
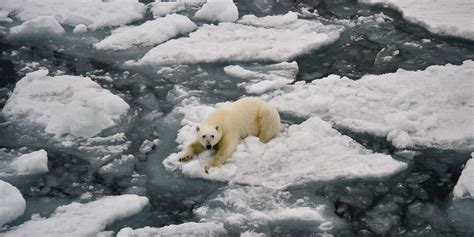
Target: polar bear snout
(209,147)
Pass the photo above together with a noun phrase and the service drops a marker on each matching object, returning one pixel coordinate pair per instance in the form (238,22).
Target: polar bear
(225,127)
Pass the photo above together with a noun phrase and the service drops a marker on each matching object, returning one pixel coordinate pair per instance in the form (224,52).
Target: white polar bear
(226,126)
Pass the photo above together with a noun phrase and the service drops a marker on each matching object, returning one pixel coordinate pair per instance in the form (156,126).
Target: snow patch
(12,203)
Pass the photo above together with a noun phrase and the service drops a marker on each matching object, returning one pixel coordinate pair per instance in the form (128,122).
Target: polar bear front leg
(225,149)
(192,149)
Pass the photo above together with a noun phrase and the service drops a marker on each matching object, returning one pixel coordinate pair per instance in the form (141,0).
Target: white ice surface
(261,79)
(465,186)
(147,34)
(218,11)
(12,203)
(64,104)
(208,229)
(301,154)
(230,42)
(40,27)
(31,163)
(432,107)
(93,13)
(451,18)
(79,220)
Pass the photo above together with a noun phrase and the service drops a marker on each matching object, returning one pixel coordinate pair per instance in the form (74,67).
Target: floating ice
(64,104)
(186,229)
(41,27)
(301,154)
(237,42)
(465,186)
(31,163)
(218,11)
(160,9)
(431,108)
(264,78)
(460,208)
(451,18)
(95,14)
(149,33)
(12,203)
(78,219)
(80,29)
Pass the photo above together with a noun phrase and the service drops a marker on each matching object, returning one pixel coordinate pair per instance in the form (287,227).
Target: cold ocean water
(411,194)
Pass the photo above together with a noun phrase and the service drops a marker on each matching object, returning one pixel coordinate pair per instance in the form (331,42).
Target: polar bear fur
(225,127)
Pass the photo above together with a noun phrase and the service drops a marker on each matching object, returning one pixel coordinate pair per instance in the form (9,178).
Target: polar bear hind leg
(268,123)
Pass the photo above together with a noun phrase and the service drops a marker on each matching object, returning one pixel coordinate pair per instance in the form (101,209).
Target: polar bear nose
(208,146)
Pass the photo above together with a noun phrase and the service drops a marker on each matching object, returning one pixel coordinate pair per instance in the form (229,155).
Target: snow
(93,13)
(465,186)
(431,107)
(149,33)
(77,219)
(64,104)
(31,163)
(41,27)
(264,78)
(186,229)
(450,18)
(232,42)
(160,9)
(218,11)
(12,203)
(301,154)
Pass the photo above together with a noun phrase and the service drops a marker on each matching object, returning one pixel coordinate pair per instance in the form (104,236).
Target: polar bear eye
(203,136)
(212,136)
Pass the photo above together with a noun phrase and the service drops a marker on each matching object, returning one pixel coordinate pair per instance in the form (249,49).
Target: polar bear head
(208,135)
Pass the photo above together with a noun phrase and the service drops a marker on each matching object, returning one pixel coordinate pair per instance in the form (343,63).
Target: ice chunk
(64,104)
(264,78)
(232,42)
(95,14)
(12,203)
(185,229)
(78,219)
(218,11)
(160,9)
(465,186)
(301,154)
(149,33)
(31,163)
(80,29)
(460,208)
(453,18)
(4,16)
(41,27)
(434,110)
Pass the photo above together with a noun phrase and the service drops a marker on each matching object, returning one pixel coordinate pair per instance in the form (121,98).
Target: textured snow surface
(182,230)
(465,186)
(31,163)
(309,152)
(64,104)
(218,11)
(432,107)
(238,42)
(451,18)
(12,203)
(78,219)
(149,33)
(41,27)
(93,13)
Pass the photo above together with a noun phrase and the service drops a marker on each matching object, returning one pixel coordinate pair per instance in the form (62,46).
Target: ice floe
(451,18)
(64,104)
(218,11)
(78,219)
(186,229)
(12,203)
(95,14)
(31,163)
(462,203)
(232,42)
(149,33)
(465,186)
(301,154)
(262,78)
(42,27)
(160,9)
(431,107)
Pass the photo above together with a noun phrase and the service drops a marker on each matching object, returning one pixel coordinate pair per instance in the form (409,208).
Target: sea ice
(31,163)
(12,203)
(160,9)
(77,219)
(186,229)
(41,27)
(147,34)
(218,11)
(64,104)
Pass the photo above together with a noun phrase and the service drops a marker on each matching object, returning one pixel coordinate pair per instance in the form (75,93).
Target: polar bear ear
(217,128)
(197,128)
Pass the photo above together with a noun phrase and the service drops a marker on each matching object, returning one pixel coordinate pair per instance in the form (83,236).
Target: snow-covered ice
(160,9)
(147,34)
(42,27)
(232,42)
(31,163)
(301,154)
(218,11)
(64,104)
(93,13)
(186,229)
(431,107)
(451,18)
(462,203)
(77,220)
(12,203)
(264,78)
(79,29)
(465,186)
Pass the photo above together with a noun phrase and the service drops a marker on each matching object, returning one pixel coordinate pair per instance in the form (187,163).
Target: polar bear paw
(185,157)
